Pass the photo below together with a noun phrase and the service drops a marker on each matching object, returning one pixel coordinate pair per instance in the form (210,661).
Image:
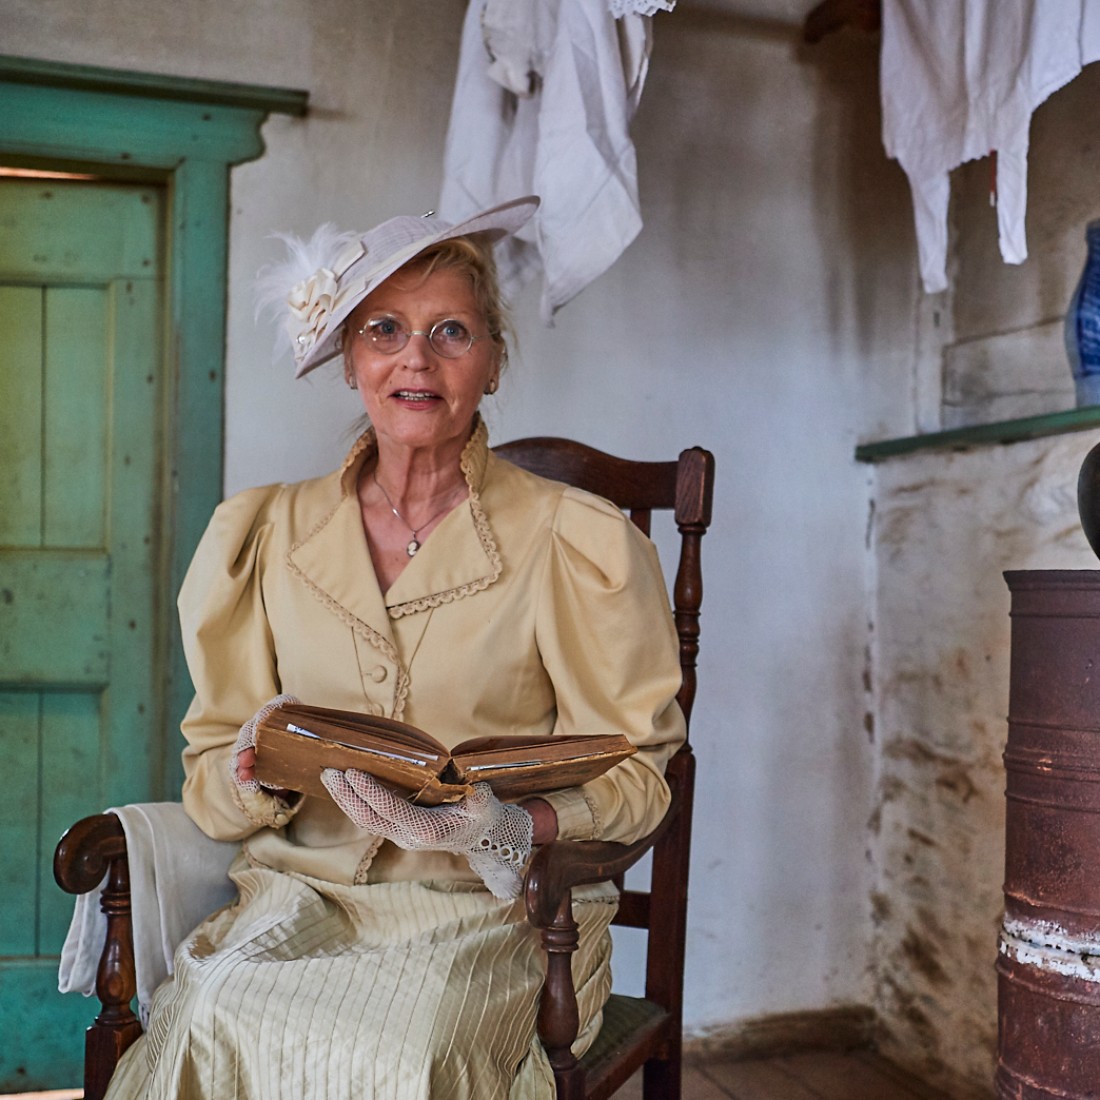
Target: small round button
(378,673)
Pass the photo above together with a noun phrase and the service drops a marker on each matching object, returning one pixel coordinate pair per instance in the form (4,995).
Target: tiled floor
(824,1075)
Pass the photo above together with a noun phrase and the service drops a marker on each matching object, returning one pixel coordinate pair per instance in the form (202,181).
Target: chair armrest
(559,866)
(85,852)
(93,847)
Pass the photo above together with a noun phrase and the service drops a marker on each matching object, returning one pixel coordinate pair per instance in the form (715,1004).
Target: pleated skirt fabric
(390,991)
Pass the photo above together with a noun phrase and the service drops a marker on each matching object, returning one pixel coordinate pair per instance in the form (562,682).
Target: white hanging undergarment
(961,79)
(542,105)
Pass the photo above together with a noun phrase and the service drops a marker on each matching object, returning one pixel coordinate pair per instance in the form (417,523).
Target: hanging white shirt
(542,105)
(961,79)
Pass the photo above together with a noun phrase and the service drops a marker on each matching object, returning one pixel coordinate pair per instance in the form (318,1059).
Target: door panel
(77,386)
(70,725)
(54,620)
(21,416)
(80,573)
(18,868)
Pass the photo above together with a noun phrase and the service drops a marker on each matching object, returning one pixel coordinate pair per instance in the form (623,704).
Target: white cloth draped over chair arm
(178,876)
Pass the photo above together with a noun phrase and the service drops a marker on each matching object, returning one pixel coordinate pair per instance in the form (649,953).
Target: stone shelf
(982,435)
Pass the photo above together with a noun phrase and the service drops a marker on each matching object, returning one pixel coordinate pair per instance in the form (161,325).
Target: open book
(295,742)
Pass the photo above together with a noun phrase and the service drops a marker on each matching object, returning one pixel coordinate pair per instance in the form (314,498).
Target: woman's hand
(494,836)
(246,765)
(545,819)
(242,765)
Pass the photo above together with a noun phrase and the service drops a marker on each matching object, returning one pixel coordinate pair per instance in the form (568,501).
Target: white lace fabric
(494,836)
(619,8)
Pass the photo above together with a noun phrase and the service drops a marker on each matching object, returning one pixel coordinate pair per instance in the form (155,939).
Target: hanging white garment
(962,79)
(542,105)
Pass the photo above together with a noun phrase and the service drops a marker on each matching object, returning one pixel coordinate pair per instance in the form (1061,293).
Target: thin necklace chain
(414,542)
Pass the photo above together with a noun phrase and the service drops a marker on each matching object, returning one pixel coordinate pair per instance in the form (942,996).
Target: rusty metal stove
(1049,962)
(1048,967)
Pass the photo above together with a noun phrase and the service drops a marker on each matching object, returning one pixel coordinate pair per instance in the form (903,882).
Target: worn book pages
(295,742)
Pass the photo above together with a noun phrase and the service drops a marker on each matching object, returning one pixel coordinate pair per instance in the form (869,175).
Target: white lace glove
(494,836)
(246,739)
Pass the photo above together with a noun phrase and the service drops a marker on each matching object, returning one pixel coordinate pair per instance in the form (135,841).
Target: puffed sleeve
(606,636)
(231,656)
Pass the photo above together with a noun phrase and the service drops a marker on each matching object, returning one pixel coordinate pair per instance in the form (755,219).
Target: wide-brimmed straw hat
(321,302)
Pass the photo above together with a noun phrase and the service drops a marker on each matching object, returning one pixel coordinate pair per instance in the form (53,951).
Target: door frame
(185,134)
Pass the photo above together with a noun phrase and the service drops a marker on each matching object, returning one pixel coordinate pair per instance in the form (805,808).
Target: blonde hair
(472,256)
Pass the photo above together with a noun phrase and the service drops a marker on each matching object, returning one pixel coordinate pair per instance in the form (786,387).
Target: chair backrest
(685,487)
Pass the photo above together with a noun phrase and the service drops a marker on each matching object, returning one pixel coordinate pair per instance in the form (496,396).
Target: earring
(352,383)
(491,388)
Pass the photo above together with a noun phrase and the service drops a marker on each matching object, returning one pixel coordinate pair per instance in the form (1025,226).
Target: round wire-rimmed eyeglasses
(449,338)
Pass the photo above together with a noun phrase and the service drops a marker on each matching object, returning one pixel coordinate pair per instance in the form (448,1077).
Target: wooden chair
(637,1032)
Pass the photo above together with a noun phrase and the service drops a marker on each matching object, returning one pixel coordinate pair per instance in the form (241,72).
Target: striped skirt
(391,991)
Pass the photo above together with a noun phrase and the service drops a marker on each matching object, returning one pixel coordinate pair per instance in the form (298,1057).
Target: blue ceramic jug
(1083,324)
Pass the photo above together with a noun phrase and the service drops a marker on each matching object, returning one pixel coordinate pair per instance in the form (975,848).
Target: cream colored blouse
(531,608)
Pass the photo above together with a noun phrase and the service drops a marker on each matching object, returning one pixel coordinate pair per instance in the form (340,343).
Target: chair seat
(627,1021)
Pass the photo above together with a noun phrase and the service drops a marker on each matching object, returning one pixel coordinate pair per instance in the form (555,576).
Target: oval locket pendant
(412,548)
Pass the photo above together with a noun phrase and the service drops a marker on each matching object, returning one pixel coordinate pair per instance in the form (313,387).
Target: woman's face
(415,397)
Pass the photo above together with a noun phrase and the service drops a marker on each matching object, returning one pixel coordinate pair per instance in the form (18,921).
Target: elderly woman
(378,949)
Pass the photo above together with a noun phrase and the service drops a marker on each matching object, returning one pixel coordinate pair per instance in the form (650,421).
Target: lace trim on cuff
(360,876)
(578,818)
(263,808)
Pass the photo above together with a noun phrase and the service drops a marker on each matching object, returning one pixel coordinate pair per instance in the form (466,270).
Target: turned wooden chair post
(92,848)
(693,515)
(559,1017)
(665,950)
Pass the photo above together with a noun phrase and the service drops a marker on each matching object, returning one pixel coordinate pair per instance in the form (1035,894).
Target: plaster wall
(777,348)
(767,312)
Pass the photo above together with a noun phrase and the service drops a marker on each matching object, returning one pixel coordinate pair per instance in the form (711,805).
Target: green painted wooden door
(80,401)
